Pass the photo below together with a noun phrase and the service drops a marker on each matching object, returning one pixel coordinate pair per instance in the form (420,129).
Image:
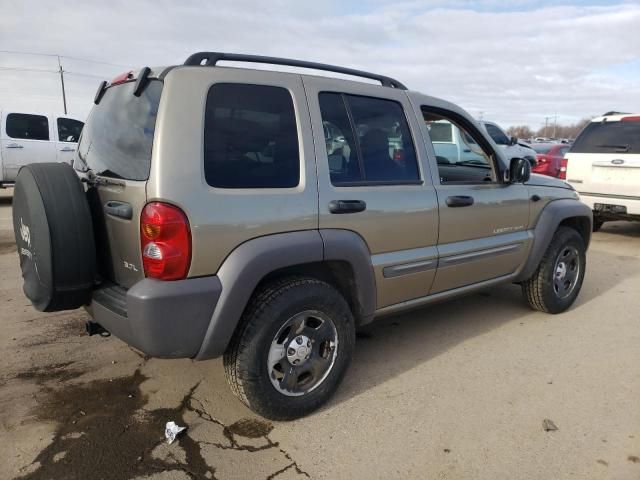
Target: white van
(603,165)
(35,138)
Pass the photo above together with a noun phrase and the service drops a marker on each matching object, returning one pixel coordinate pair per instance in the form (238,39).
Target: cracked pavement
(459,390)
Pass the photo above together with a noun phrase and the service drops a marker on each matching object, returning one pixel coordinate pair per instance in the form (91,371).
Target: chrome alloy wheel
(302,353)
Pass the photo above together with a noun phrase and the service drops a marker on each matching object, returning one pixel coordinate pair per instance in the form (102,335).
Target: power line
(20,69)
(15,52)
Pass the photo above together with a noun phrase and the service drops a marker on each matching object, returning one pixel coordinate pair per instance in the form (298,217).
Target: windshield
(118,137)
(609,137)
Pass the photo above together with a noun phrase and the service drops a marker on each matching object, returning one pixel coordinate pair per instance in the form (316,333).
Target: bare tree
(520,131)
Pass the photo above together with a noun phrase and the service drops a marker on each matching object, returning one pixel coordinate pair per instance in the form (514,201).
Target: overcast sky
(513,62)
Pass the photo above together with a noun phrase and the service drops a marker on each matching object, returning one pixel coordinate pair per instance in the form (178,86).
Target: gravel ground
(461,390)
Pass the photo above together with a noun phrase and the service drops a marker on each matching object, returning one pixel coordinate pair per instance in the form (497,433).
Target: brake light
(635,118)
(562,174)
(165,239)
(123,77)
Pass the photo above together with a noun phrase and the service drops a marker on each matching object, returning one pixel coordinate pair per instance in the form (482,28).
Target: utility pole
(555,124)
(546,124)
(64,95)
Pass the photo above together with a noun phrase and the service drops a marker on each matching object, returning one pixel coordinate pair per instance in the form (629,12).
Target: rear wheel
(597,224)
(292,348)
(556,283)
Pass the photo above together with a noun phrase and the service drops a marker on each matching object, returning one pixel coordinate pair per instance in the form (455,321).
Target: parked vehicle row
(35,138)
(263,216)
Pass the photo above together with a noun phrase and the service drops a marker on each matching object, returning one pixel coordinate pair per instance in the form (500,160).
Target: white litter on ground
(171,431)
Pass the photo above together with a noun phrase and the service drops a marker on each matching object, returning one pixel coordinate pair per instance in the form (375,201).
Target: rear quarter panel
(223,219)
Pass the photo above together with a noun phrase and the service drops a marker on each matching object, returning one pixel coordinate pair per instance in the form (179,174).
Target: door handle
(459,201)
(14,145)
(347,206)
(67,149)
(119,209)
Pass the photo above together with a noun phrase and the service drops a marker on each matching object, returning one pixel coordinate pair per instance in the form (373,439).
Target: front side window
(462,159)
(69,130)
(368,141)
(496,134)
(27,127)
(250,136)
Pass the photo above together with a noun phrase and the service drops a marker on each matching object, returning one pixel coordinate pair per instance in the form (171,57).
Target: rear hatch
(115,152)
(605,158)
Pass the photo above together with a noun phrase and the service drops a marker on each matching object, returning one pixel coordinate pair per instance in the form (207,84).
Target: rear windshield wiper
(94,179)
(620,148)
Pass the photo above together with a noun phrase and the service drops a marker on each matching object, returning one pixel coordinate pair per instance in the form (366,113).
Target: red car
(550,159)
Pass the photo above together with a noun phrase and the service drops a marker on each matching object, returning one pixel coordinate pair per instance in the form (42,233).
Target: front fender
(547,223)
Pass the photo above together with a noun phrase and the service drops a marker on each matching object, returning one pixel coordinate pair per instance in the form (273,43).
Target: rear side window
(27,127)
(118,136)
(250,137)
(609,137)
(69,130)
(369,140)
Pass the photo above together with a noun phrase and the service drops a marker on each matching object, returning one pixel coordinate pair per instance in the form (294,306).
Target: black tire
(597,224)
(54,234)
(541,291)
(246,358)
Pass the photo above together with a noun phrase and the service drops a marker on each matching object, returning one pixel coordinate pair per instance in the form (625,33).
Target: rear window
(27,127)
(118,136)
(608,137)
(250,136)
(440,132)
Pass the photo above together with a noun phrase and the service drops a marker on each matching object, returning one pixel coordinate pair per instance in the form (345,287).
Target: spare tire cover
(54,235)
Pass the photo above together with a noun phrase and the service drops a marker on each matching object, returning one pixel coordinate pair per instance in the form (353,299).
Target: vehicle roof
(614,118)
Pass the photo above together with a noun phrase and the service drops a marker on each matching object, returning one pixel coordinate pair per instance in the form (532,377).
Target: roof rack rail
(614,113)
(211,58)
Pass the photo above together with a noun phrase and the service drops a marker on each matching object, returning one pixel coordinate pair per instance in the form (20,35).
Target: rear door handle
(67,149)
(119,209)
(347,206)
(14,145)
(459,201)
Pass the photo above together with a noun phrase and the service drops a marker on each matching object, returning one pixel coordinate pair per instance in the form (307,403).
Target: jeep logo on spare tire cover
(54,234)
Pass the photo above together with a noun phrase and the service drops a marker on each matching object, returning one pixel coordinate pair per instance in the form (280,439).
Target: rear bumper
(632,204)
(161,319)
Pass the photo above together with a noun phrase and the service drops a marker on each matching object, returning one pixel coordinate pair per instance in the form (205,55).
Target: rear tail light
(122,78)
(562,173)
(635,118)
(165,239)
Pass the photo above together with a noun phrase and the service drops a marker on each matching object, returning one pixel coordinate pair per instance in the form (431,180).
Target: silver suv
(264,216)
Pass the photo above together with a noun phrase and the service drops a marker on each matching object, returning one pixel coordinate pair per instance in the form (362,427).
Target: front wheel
(556,283)
(292,348)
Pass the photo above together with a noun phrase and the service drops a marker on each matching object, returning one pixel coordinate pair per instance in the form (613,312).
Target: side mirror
(519,170)
(513,141)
